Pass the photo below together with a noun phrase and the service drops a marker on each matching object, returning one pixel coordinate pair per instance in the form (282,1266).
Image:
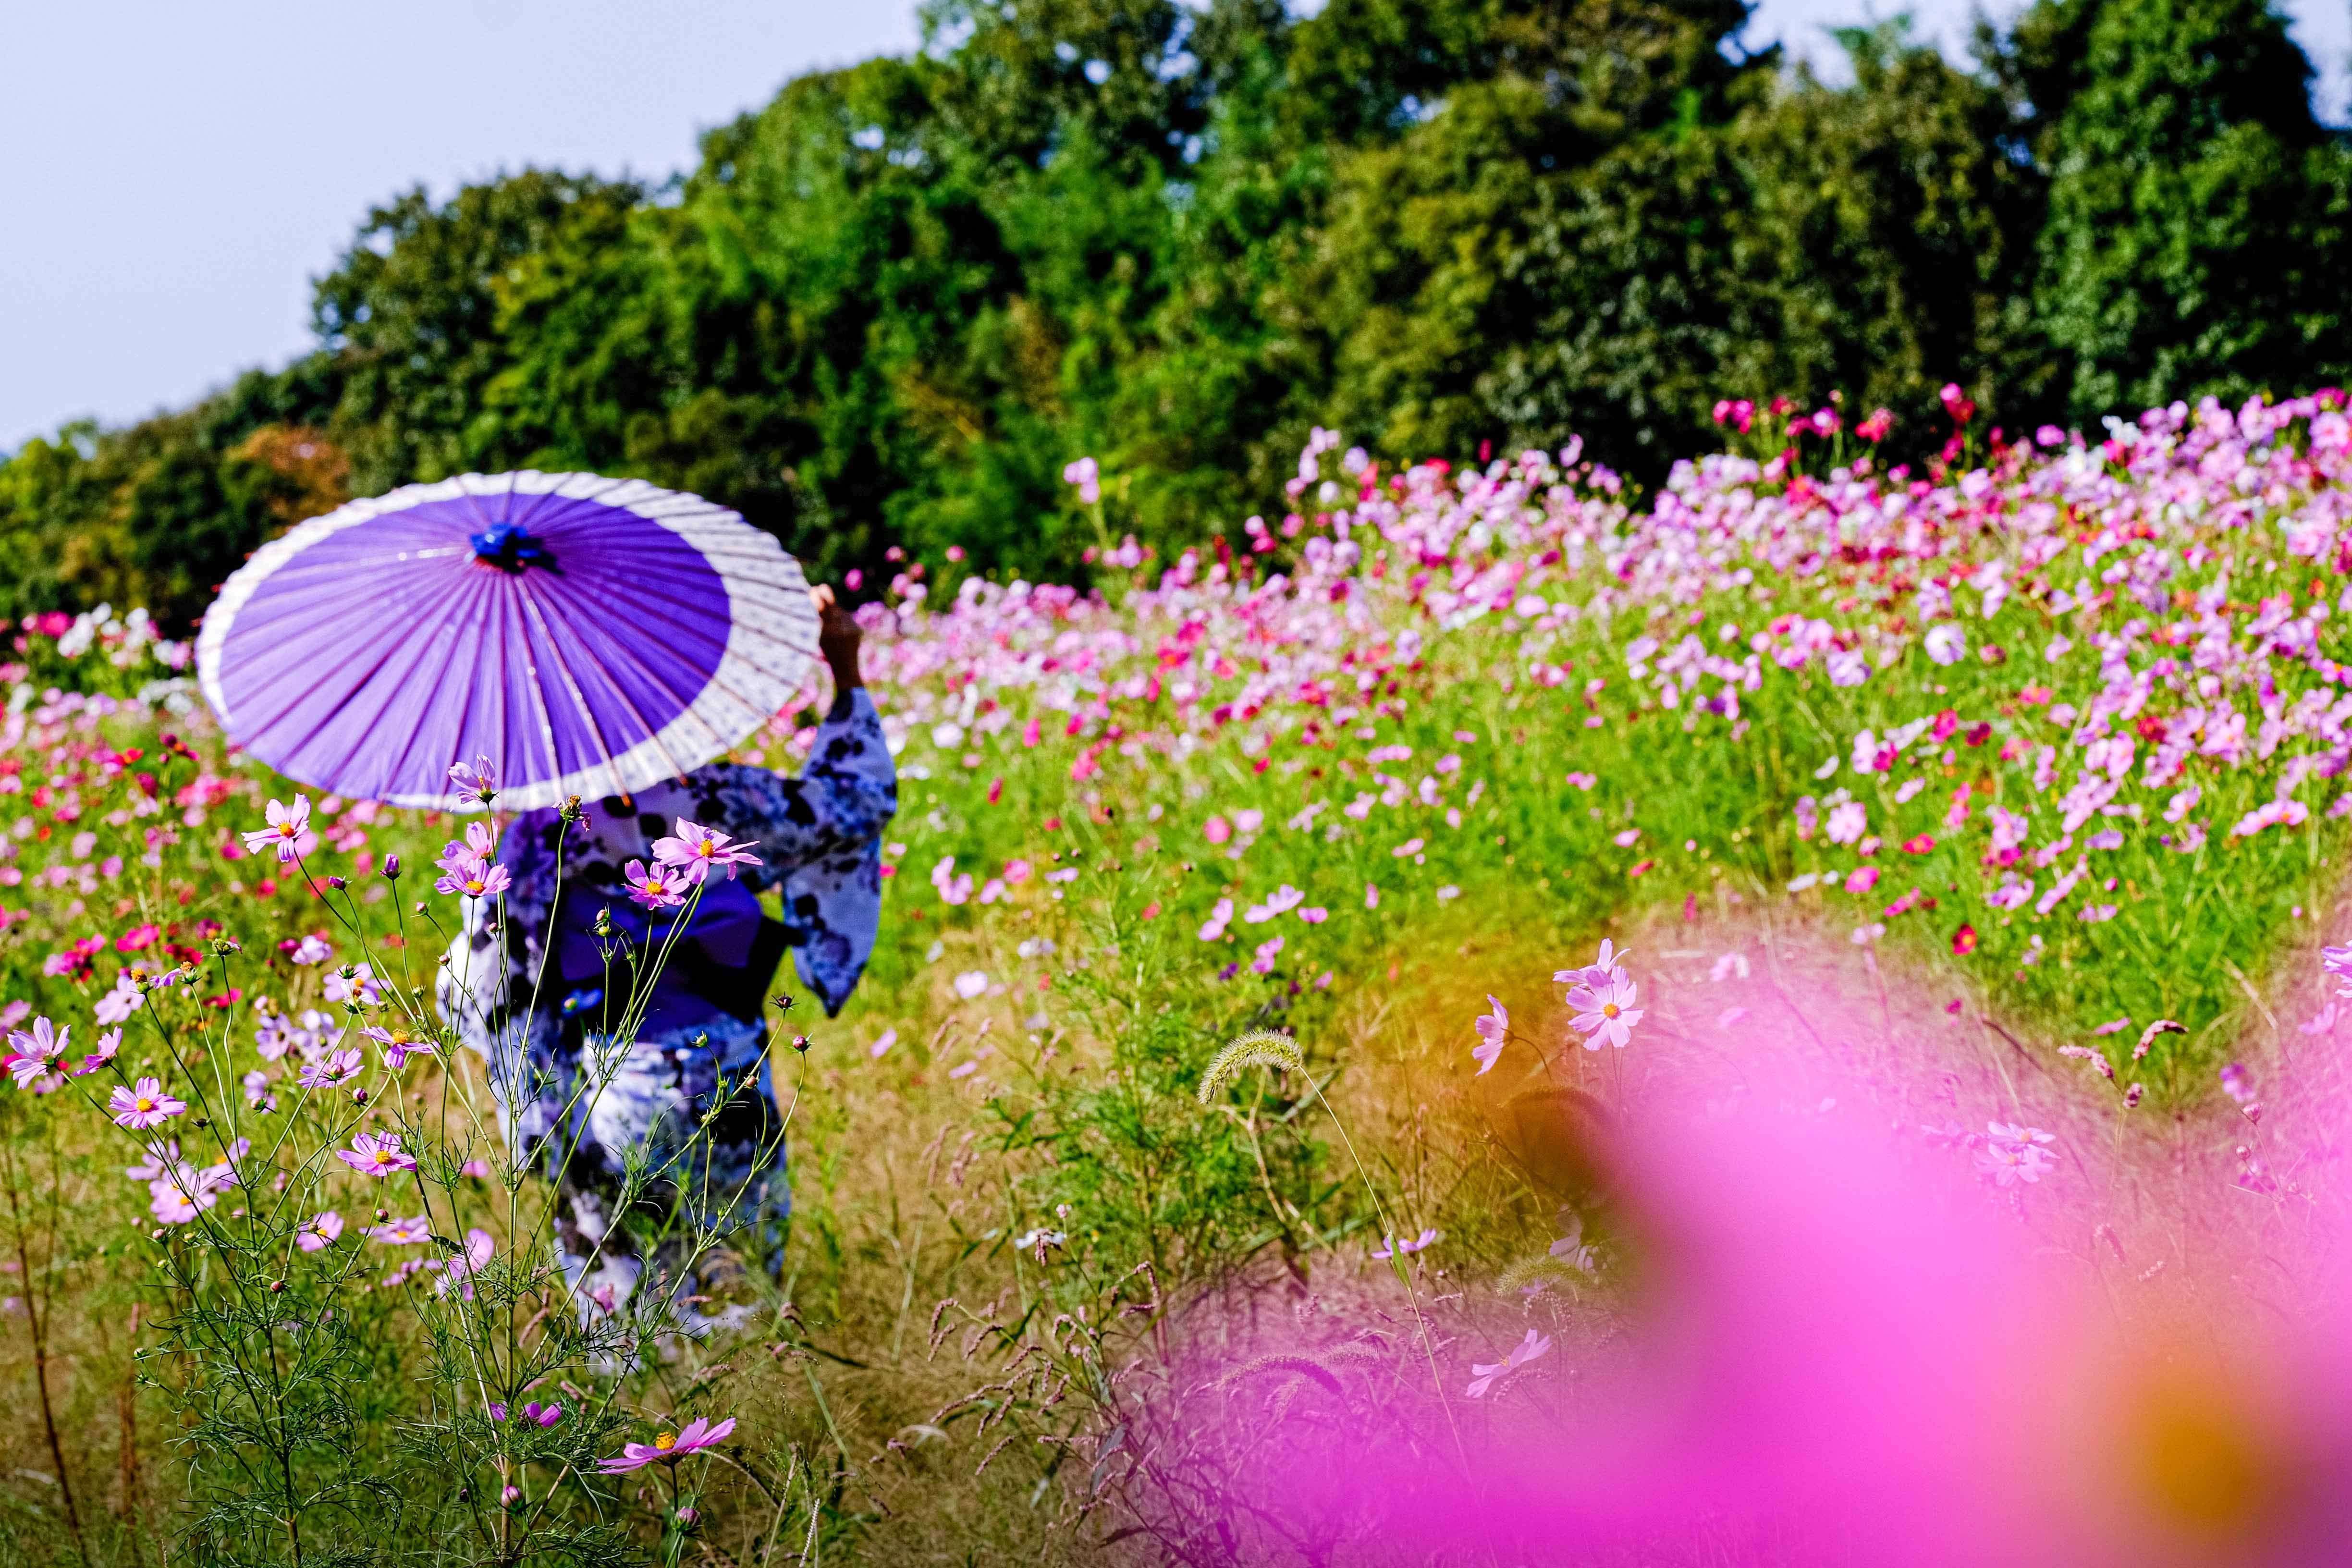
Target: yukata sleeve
(821,838)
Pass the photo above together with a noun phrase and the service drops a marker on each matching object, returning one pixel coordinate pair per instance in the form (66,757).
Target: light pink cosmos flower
(1848,822)
(1605,969)
(1263,962)
(33,1059)
(478,782)
(109,1044)
(700,850)
(2012,1155)
(119,1003)
(668,1448)
(143,1105)
(320,1232)
(1484,1376)
(355,983)
(472,876)
(178,1199)
(1605,1013)
(376,1154)
(288,832)
(335,1067)
(1492,1031)
(402,1232)
(400,1042)
(1391,1247)
(312,948)
(661,887)
(1214,928)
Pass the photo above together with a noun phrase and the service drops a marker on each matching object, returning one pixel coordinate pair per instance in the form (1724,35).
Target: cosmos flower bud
(338,883)
(392,867)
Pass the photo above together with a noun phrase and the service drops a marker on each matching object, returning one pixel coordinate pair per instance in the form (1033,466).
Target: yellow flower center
(145,1103)
(1609,1009)
(665,1442)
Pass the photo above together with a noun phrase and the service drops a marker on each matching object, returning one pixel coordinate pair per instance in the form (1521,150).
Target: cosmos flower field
(1786,1017)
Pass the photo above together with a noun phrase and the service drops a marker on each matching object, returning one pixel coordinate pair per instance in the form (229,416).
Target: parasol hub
(509,547)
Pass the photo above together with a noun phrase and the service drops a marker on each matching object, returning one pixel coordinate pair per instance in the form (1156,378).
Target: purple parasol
(588,636)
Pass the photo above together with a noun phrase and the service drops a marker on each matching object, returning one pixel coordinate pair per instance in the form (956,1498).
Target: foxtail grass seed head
(1259,1047)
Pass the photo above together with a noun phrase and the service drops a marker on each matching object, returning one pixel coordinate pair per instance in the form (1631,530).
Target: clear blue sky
(178,173)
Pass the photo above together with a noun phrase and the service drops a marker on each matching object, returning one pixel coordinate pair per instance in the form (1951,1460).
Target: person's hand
(837,637)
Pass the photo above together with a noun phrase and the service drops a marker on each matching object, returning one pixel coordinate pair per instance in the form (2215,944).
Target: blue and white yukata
(524,978)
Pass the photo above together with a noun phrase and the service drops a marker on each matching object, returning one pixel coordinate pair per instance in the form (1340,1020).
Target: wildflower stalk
(1268,1047)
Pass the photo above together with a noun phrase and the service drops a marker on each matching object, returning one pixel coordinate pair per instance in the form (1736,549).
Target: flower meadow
(1485,1017)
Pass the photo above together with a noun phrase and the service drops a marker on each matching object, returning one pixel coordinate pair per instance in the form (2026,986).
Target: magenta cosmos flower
(320,1231)
(376,1154)
(668,1448)
(662,887)
(1604,1014)
(288,832)
(698,851)
(143,1105)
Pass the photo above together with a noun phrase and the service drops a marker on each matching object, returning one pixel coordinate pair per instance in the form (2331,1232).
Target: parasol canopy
(588,636)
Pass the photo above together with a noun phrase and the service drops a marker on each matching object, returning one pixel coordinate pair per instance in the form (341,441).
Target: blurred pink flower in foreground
(1835,1351)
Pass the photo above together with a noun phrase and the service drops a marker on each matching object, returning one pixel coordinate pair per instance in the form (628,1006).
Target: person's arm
(846,791)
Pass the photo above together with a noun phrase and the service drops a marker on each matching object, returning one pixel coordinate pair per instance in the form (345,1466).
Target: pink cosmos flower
(335,1067)
(668,1448)
(288,832)
(1605,969)
(542,1415)
(320,1231)
(662,887)
(473,878)
(119,1003)
(143,1105)
(376,1154)
(1605,1013)
(402,1232)
(1263,962)
(32,1062)
(109,1044)
(698,851)
(1492,1030)
(1391,1247)
(311,948)
(478,782)
(355,983)
(2012,1154)
(1484,1376)
(400,1042)
(178,1199)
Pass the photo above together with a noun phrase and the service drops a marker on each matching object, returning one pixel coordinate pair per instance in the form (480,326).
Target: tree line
(889,307)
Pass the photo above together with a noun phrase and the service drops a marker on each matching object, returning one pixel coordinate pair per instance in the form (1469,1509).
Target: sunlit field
(1486,1017)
